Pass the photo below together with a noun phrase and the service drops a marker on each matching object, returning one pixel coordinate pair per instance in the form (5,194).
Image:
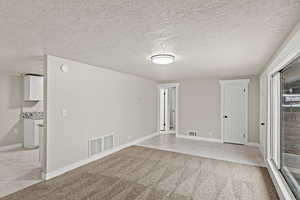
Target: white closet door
(234,112)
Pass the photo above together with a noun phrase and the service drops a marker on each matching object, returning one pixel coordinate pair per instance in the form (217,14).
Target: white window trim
(281,185)
(275,112)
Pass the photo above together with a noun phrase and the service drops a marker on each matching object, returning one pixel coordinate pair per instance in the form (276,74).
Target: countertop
(33,115)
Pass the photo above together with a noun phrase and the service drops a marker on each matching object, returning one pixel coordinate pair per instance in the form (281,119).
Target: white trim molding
(199,138)
(245,82)
(206,139)
(168,85)
(49,175)
(289,59)
(11,146)
(281,185)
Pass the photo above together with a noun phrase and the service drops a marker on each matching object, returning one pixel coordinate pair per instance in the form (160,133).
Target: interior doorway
(168,108)
(22,105)
(234,111)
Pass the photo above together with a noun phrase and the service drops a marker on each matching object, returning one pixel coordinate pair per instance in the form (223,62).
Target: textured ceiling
(210,38)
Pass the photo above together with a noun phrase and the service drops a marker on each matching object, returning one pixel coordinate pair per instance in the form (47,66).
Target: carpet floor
(139,173)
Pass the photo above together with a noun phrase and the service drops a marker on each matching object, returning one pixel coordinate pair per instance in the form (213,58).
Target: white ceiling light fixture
(163,59)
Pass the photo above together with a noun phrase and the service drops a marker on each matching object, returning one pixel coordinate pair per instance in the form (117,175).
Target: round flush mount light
(163,59)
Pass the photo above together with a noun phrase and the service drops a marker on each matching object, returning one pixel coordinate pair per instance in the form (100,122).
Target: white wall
(12,106)
(98,102)
(253,110)
(11,131)
(199,108)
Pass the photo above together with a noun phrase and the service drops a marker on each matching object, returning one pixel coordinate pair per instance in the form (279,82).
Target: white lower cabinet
(31,133)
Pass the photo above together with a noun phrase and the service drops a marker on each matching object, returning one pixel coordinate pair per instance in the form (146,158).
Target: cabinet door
(36,88)
(33,88)
(29,133)
(37,132)
(27,88)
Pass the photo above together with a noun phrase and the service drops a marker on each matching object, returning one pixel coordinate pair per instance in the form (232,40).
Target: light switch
(64,112)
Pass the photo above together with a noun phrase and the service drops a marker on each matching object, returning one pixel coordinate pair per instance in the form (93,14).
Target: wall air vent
(100,144)
(95,146)
(108,142)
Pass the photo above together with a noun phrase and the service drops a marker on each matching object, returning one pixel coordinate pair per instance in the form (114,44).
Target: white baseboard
(253,144)
(44,176)
(199,138)
(47,176)
(10,147)
(212,140)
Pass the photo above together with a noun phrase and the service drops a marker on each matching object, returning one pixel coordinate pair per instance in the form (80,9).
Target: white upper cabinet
(33,88)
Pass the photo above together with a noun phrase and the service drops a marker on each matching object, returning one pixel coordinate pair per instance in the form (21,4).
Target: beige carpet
(139,173)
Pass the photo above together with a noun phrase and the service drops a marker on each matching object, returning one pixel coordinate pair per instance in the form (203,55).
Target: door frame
(245,83)
(165,86)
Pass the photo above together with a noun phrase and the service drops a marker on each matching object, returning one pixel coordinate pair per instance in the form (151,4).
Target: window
(290,126)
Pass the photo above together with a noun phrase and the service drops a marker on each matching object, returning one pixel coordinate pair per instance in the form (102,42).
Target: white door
(234,111)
